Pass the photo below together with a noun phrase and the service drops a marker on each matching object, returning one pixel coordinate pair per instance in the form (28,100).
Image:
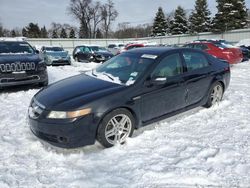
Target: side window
(169,66)
(195,60)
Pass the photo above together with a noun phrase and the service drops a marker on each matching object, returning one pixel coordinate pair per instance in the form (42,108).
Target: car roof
(159,50)
(152,50)
(12,39)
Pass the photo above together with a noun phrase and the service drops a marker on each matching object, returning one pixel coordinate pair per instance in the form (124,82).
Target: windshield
(15,48)
(53,49)
(124,69)
(94,48)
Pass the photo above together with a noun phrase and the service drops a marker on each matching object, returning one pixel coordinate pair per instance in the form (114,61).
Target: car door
(198,76)
(160,99)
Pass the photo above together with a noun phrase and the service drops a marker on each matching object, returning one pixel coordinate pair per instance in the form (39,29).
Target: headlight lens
(68,115)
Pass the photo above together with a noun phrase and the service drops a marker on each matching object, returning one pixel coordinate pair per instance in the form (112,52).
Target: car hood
(9,58)
(57,54)
(74,92)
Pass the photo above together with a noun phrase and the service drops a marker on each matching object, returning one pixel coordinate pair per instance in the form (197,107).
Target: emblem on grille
(17,67)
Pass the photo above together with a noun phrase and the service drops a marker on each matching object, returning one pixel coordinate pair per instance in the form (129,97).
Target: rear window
(15,48)
(111,46)
(53,49)
(195,60)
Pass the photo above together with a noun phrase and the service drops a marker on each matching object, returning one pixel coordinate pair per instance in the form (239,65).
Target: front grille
(35,109)
(17,67)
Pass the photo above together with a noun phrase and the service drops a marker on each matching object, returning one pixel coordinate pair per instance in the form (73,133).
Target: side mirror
(159,80)
(156,81)
(37,51)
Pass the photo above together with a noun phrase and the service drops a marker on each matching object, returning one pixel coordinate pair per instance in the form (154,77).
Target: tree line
(231,14)
(95,20)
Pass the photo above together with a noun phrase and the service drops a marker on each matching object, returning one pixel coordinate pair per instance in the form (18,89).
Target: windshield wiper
(108,76)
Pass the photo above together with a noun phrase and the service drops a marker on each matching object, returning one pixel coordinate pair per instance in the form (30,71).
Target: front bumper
(23,78)
(70,134)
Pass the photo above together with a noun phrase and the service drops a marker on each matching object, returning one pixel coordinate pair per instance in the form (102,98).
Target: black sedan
(128,91)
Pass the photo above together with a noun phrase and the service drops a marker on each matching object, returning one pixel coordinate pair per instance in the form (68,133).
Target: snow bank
(202,147)
(245,42)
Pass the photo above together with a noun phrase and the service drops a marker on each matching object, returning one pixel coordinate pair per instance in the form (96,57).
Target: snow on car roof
(13,39)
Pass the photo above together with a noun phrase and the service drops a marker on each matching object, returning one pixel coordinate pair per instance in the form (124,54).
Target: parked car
(132,46)
(222,51)
(128,91)
(20,64)
(54,55)
(115,48)
(245,52)
(101,54)
(83,54)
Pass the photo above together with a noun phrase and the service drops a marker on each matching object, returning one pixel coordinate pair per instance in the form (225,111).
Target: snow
(244,42)
(201,147)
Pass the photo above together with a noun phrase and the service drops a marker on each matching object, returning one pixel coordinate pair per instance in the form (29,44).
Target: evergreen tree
(83,32)
(24,32)
(54,34)
(1,30)
(44,32)
(13,33)
(99,34)
(160,24)
(232,14)
(199,20)
(63,34)
(72,34)
(33,31)
(179,25)
(241,15)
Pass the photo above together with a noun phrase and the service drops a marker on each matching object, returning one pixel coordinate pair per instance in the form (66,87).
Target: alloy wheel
(118,129)
(216,94)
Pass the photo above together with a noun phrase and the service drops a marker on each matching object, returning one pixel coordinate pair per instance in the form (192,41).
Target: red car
(132,46)
(231,54)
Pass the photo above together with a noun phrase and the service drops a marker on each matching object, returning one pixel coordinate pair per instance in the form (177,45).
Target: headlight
(41,66)
(68,115)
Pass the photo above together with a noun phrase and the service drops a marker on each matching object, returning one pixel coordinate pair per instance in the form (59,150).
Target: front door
(158,100)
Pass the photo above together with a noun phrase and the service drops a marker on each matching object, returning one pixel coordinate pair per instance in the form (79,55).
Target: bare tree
(82,10)
(109,14)
(97,17)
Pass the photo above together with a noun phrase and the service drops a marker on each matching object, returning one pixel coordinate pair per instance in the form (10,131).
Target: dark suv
(20,64)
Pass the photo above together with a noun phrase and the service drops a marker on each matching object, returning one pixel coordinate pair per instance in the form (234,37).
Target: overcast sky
(18,13)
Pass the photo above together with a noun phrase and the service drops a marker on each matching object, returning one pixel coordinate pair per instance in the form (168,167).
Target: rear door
(198,76)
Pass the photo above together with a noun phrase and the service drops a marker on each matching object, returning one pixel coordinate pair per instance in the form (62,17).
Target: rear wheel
(115,128)
(215,94)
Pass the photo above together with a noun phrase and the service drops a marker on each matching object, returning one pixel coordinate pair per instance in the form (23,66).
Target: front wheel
(215,95)
(115,128)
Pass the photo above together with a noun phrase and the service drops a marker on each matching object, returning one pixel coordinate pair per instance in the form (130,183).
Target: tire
(215,94)
(116,127)
(43,84)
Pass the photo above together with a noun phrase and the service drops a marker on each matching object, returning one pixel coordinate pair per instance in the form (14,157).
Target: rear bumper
(61,62)
(73,134)
(12,79)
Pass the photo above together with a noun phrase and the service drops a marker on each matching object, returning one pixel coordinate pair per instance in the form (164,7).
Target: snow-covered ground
(207,147)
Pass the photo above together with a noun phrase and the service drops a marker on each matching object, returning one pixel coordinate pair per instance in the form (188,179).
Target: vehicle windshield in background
(53,49)
(124,69)
(94,48)
(15,48)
